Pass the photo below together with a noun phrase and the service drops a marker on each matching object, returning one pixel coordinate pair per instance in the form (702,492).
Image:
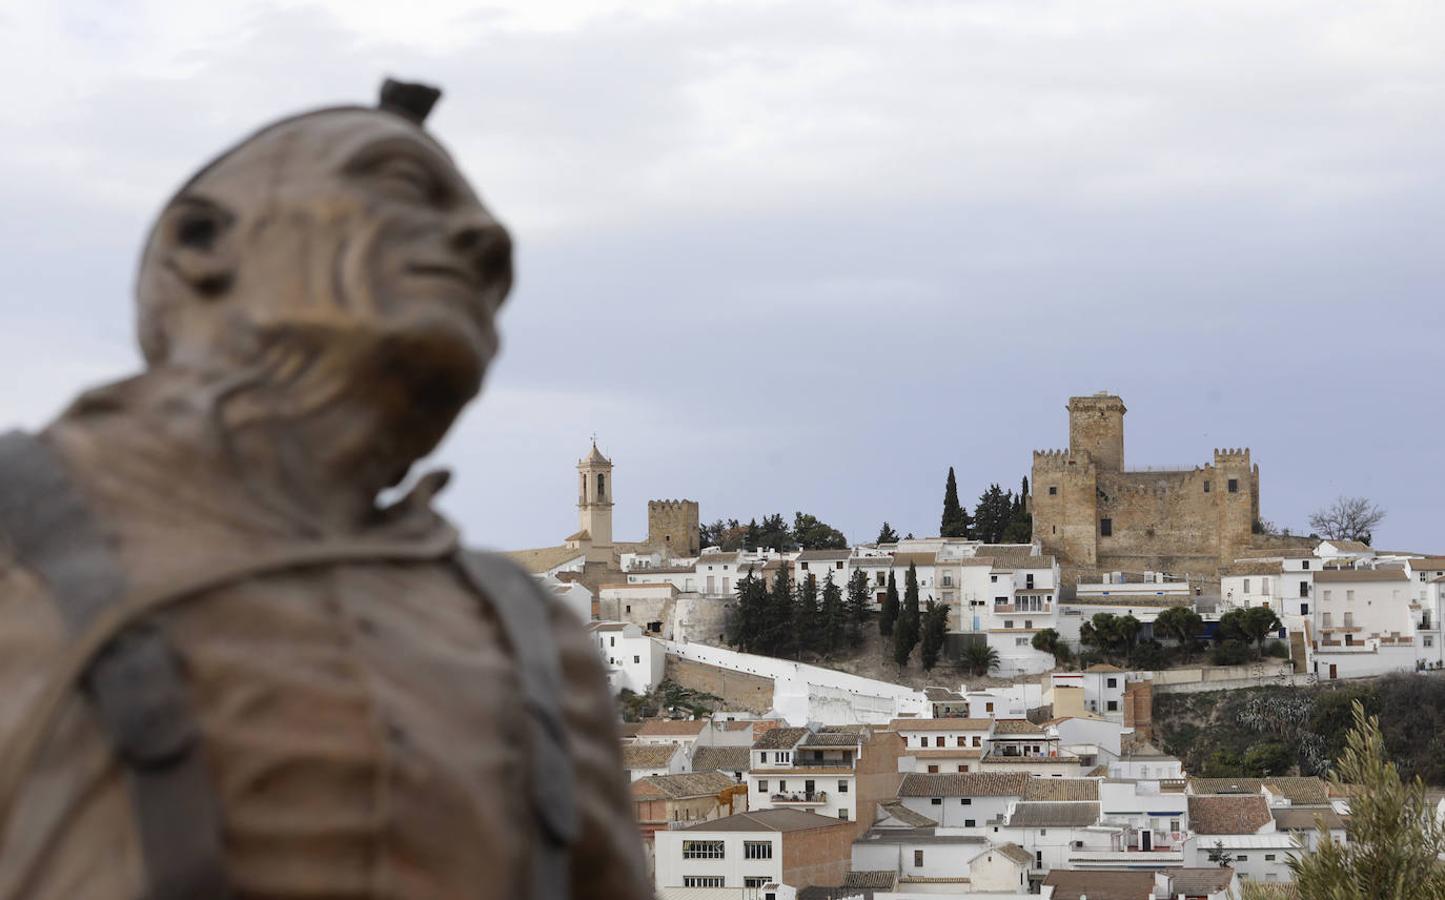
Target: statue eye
(408,180)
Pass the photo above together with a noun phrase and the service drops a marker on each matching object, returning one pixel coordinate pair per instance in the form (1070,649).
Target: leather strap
(134,682)
(523,610)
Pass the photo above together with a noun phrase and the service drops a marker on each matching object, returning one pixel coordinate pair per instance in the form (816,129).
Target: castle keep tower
(672,526)
(594,498)
(1096,427)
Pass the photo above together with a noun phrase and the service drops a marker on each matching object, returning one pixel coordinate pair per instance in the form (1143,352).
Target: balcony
(1014,609)
(841,762)
(800,798)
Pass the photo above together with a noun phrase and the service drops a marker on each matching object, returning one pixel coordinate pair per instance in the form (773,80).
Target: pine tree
(834,616)
(935,630)
(955,518)
(886,534)
(905,633)
(752,535)
(857,606)
(1020,528)
(805,636)
(889,614)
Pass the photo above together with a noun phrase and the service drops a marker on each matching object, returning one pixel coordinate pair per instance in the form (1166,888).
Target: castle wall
(1096,427)
(672,526)
(1065,505)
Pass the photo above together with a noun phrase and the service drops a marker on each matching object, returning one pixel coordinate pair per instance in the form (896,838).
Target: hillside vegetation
(1285,730)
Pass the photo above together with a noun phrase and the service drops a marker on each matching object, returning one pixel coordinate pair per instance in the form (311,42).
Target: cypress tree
(857,606)
(935,630)
(779,619)
(886,534)
(747,625)
(889,614)
(955,518)
(834,615)
(905,633)
(805,634)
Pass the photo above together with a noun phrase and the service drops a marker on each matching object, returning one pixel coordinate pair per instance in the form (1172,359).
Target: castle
(1093,513)
(591,552)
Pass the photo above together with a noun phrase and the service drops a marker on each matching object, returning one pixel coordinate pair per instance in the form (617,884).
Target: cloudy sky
(807,255)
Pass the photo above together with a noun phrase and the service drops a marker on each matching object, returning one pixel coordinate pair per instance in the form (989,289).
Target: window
(839,565)
(936,801)
(965,801)
(842,785)
(1242,857)
(948,579)
(703,881)
(843,814)
(612,642)
(1325,619)
(1113,706)
(1053,490)
(763,786)
(1246,585)
(755,881)
(1106,527)
(987,707)
(1111,682)
(1349,596)
(1304,564)
(969,823)
(757,849)
(880,579)
(993,578)
(1304,588)
(763,756)
(1349,619)
(978,741)
(959,741)
(1304,609)
(636,659)
(1233,485)
(1327,596)
(785,757)
(917,859)
(1269,857)
(805,567)
(601,486)
(1173,824)
(1008,623)
(1021,642)
(702,849)
(933,770)
(1206,487)
(1429,640)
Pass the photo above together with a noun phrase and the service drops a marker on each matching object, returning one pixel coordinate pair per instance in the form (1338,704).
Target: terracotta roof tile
(939,724)
(780,739)
(964,784)
(647,756)
(1052,815)
(1060,789)
(724,759)
(1228,815)
(672,727)
(689,784)
(1100,884)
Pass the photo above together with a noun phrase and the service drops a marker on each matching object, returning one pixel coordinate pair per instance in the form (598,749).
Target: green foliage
(979,658)
(1222,764)
(1271,758)
(909,626)
(1112,636)
(886,534)
(857,608)
(935,630)
(888,616)
(667,697)
(805,635)
(1020,528)
(1182,625)
(778,631)
(955,522)
(1395,839)
(992,515)
(748,622)
(835,616)
(1259,624)
(1149,656)
(727,535)
(1277,650)
(1048,641)
(1219,856)
(811,534)
(1229,653)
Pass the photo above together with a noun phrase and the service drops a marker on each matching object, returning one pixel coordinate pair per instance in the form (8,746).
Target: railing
(802,798)
(1047,609)
(845,762)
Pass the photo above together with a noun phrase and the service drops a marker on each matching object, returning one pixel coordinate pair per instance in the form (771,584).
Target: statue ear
(199,246)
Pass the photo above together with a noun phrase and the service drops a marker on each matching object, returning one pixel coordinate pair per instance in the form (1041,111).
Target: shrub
(1149,656)
(1230,653)
(1277,649)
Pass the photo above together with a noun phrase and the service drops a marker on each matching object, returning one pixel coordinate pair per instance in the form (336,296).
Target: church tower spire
(594,498)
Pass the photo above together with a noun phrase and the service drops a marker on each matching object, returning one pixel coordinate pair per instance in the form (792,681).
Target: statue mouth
(446,272)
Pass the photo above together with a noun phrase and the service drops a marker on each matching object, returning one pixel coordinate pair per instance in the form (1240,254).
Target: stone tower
(1096,427)
(672,526)
(594,498)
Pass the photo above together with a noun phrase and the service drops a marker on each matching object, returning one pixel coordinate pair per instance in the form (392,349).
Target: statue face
(343,229)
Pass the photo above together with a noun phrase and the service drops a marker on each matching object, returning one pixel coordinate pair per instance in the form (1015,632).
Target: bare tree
(1347,519)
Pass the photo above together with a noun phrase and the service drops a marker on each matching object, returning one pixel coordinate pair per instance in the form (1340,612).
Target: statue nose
(486,246)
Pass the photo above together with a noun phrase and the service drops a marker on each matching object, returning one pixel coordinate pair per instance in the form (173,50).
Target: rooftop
(672,728)
(1022,727)
(964,784)
(648,756)
(1338,576)
(1053,815)
(940,724)
(1228,814)
(780,738)
(723,759)
(782,820)
(675,787)
(1060,789)
(1100,884)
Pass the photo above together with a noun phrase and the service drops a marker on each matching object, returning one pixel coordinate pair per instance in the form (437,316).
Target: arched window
(584,487)
(601,486)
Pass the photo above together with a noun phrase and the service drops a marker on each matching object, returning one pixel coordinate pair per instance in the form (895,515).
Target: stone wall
(672,526)
(739,690)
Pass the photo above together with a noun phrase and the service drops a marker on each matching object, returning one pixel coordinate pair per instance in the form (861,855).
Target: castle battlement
(1062,461)
(1231,456)
(670,504)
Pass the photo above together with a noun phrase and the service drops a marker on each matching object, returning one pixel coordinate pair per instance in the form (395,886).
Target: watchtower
(594,498)
(1096,427)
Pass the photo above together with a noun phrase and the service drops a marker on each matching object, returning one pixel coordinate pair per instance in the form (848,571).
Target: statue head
(343,240)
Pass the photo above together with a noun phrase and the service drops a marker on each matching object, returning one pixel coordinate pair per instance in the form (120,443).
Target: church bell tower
(594,498)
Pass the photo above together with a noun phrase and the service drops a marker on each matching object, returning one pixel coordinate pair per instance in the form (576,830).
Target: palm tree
(980,659)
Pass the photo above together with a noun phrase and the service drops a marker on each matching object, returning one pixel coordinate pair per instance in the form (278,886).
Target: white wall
(672,868)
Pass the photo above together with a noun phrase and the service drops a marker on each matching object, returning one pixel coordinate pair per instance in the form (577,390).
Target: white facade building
(634,661)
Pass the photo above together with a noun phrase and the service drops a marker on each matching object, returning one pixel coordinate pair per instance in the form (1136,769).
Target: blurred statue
(225,669)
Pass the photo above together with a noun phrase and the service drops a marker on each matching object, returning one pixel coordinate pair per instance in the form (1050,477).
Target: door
(808,788)
(1333,673)
(1146,840)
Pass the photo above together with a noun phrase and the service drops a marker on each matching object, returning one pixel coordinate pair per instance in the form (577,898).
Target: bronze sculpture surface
(225,669)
